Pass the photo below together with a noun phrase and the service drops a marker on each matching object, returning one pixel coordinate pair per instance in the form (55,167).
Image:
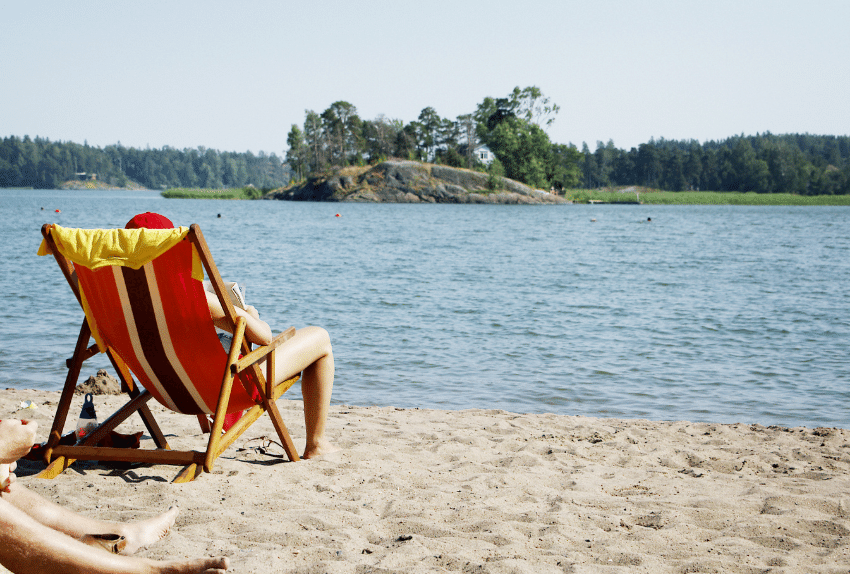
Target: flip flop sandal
(110,542)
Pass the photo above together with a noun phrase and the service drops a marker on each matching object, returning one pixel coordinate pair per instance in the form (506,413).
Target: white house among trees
(483,154)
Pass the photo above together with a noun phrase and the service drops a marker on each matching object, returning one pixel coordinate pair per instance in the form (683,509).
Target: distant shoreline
(656,197)
(95,184)
(617,198)
(573,196)
(403,181)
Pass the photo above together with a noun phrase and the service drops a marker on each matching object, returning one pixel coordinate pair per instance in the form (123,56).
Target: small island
(405,181)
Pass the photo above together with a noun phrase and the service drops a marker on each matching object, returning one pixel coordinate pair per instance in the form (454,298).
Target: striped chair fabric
(157,320)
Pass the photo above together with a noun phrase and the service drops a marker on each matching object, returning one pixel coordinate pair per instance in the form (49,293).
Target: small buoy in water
(337,215)
(593,221)
(58,211)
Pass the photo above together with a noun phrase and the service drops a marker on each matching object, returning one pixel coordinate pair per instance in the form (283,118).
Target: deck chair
(142,294)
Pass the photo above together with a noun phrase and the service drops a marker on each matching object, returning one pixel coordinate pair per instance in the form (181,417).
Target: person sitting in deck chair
(38,536)
(309,352)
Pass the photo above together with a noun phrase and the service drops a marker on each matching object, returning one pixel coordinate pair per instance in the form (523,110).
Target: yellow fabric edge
(96,248)
(43,249)
(197,265)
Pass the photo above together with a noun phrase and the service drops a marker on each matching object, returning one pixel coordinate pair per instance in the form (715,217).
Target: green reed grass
(200,193)
(653,197)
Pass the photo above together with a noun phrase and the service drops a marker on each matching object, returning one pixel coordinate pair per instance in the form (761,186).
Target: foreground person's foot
(142,534)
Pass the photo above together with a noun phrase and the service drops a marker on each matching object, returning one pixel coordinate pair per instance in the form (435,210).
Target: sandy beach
(484,491)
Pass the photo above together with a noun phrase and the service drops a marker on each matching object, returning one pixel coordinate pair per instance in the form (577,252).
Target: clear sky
(235,76)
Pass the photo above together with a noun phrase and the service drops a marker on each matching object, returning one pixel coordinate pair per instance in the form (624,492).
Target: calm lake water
(708,313)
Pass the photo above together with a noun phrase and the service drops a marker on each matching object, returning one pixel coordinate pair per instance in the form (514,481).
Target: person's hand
(252,311)
(8,478)
(16,439)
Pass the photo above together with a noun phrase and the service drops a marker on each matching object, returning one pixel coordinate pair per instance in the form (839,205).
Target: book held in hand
(234,290)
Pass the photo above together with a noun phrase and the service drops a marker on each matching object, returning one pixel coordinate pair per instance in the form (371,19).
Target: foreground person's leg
(29,547)
(137,535)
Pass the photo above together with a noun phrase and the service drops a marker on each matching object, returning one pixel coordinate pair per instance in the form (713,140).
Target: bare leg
(137,535)
(309,352)
(316,388)
(27,546)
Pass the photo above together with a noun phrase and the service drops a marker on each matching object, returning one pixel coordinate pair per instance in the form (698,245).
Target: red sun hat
(149,220)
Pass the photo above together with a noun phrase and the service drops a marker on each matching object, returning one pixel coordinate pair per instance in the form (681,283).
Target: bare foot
(142,534)
(321,448)
(201,566)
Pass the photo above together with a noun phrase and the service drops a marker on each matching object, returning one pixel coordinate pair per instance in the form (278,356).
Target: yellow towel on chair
(95,248)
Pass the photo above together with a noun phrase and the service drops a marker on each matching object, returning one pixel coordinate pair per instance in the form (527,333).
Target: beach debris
(690,472)
(27,405)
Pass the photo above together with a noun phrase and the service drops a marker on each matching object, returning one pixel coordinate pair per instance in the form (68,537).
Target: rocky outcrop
(399,181)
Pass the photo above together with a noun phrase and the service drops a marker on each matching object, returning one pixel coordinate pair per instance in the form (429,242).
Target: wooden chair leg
(205,424)
(153,428)
(282,432)
(75,365)
(268,394)
(189,473)
(55,468)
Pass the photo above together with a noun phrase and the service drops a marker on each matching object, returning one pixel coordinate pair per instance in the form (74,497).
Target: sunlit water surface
(708,313)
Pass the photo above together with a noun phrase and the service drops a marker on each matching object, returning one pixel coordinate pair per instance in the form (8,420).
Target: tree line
(513,128)
(42,164)
(801,164)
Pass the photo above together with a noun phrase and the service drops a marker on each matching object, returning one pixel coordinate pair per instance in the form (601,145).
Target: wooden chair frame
(59,457)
